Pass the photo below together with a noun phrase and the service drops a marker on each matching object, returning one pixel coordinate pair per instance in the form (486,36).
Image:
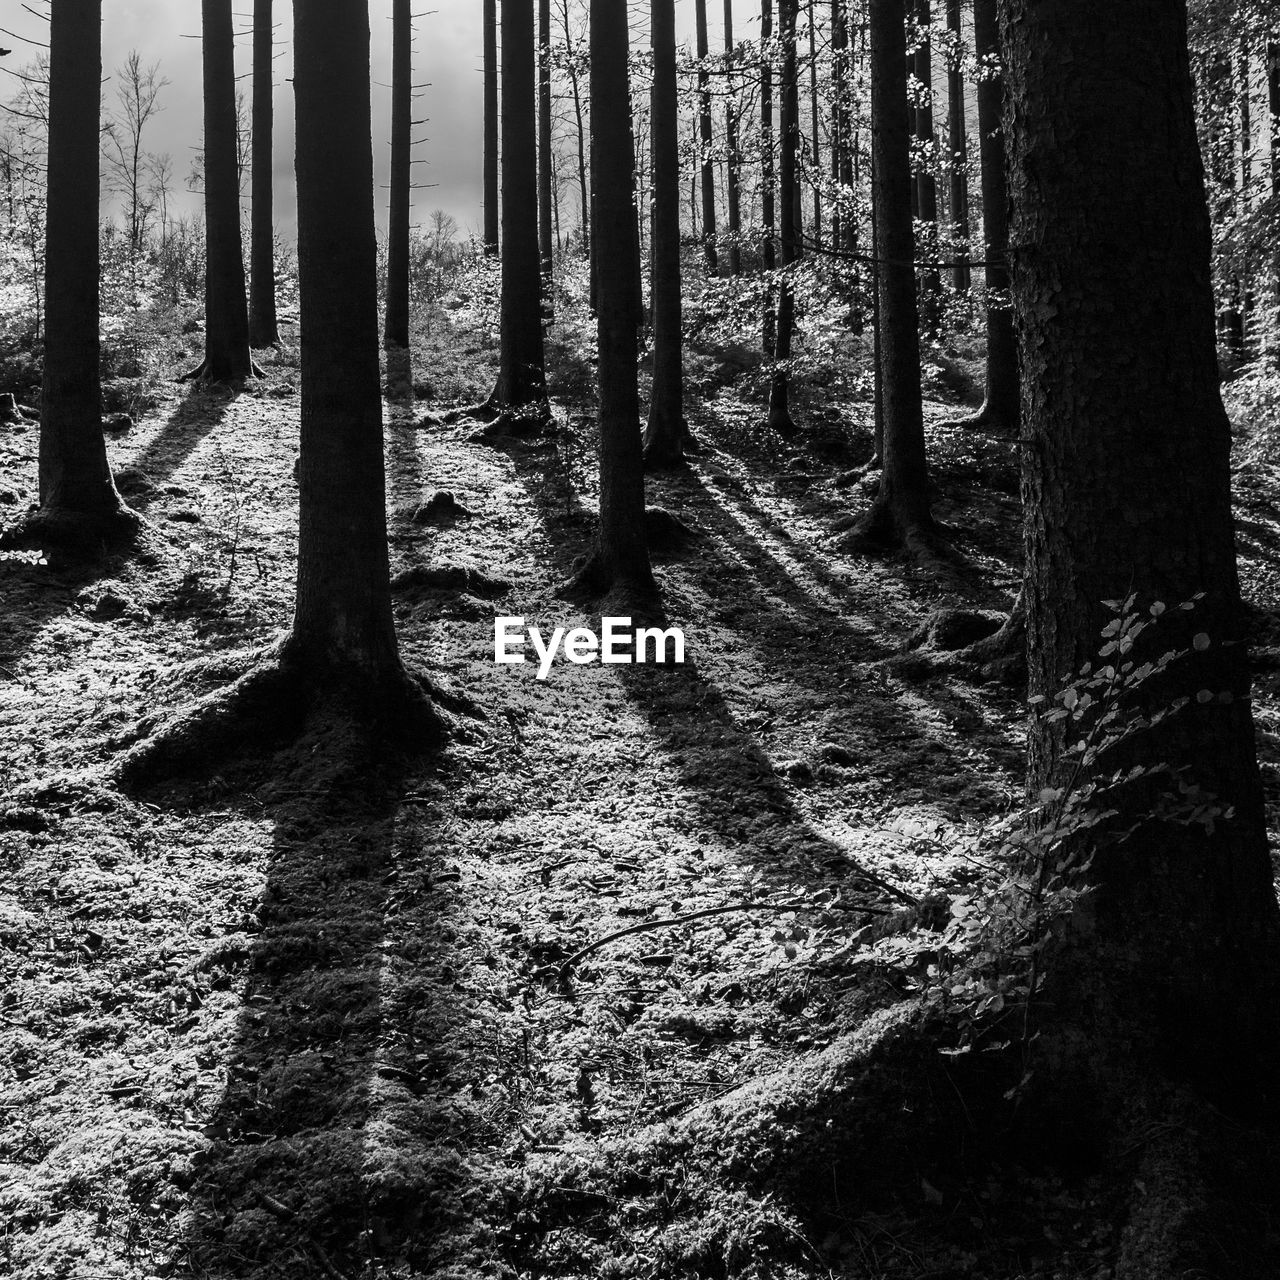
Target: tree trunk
(1273,102)
(78,499)
(575,90)
(226,354)
(396,333)
(619,560)
(491,198)
(900,513)
(546,237)
(957,136)
(521,371)
(342,626)
(1163,995)
(733,164)
(705,141)
(926,183)
(788,186)
(839,123)
(263,331)
(815,141)
(665,433)
(768,249)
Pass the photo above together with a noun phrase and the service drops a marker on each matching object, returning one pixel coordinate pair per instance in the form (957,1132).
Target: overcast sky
(446,64)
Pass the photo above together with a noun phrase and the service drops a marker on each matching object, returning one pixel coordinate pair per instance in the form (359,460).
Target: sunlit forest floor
(289,1020)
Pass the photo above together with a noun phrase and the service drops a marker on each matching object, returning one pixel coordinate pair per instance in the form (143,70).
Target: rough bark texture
(788,191)
(926,183)
(733,161)
(958,141)
(263,331)
(768,248)
(708,169)
(396,330)
(619,560)
(491,198)
(546,234)
(1163,994)
(665,433)
(521,369)
(226,354)
(76,489)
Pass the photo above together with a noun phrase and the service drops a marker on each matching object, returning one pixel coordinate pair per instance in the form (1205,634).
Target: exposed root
(522,422)
(199,374)
(596,580)
(884,529)
(74,534)
(440,508)
(986,419)
(667,534)
(451,578)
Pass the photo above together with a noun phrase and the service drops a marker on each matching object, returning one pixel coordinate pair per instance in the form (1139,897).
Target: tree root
(883,530)
(198,374)
(986,419)
(74,534)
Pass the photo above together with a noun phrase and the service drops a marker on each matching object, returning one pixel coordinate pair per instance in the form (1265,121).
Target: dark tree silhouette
(815,116)
(490,110)
(546,237)
(733,146)
(226,314)
(396,329)
(79,505)
(768,246)
(707,163)
(263,330)
(844,223)
(663,441)
(926,184)
(958,139)
(617,565)
(788,191)
(1159,1020)
(900,514)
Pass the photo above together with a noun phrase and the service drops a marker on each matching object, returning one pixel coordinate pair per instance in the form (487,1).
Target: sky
(447,59)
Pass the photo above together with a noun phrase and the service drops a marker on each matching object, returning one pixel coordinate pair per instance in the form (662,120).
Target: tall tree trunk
(226,353)
(900,513)
(768,248)
(1161,1005)
(492,200)
(733,163)
(575,90)
(397,319)
(521,369)
(779,391)
(705,140)
(618,564)
(839,122)
(663,442)
(546,238)
(78,499)
(926,183)
(1273,103)
(957,136)
(815,140)
(263,331)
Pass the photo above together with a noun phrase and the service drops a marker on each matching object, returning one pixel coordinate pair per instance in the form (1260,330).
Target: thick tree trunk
(708,168)
(492,200)
(618,564)
(926,183)
(663,442)
(263,331)
(546,237)
(521,369)
(396,333)
(788,187)
(768,247)
(815,139)
(900,513)
(1165,984)
(1273,103)
(733,162)
(226,356)
(78,500)
(958,139)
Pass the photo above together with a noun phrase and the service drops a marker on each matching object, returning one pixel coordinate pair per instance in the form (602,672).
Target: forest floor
(277,1022)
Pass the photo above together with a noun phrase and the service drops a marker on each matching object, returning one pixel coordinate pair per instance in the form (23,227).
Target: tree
(575,93)
(788,188)
(491,199)
(226,355)
(768,246)
(844,223)
(663,441)
(618,562)
(815,118)
(79,504)
(546,240)
(263,330)
(926,184)
(127,162)
(708,167)
(733,146)
(958,142)
(900,513)
(396,330)
(1161,1008)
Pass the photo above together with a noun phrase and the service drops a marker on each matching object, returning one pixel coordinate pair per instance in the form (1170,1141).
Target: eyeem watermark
(618,642)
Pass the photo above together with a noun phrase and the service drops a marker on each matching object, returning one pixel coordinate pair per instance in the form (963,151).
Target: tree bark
(733,163)
(263,331)
(78,499)
(708,167)
(1165,985)
(618,564)
(396,332)
(492,200)
(768,247)
(1273,103)
(546,236)
(841,209)
(575,90)
(779,392)
(926,183)
(663,442)
(957,136)
(521,371)
(815,140)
